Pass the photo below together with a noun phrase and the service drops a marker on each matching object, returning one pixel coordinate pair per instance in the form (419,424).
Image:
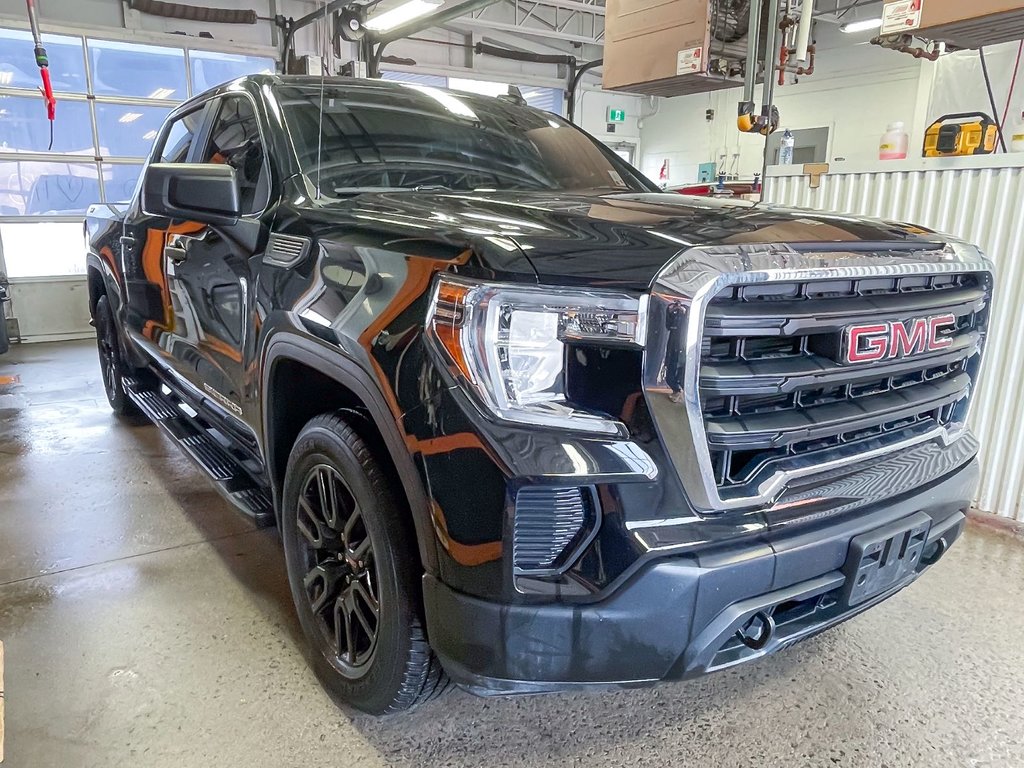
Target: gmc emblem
(885,341)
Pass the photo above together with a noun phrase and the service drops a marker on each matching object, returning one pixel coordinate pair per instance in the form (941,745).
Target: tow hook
(934,552)
(758,630)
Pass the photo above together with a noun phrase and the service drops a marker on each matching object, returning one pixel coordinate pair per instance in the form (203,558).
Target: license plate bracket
(885,558)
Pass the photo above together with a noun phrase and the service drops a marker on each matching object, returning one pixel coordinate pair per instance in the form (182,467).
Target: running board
(228,476)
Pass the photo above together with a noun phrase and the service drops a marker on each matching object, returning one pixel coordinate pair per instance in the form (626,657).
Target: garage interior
(144,621)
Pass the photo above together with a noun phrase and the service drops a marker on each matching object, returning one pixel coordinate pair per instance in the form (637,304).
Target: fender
(349,374)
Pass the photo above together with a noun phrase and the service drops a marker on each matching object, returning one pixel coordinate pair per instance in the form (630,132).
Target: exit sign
(616,115)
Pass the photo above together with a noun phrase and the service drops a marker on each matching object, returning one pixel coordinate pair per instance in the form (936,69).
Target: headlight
(508,343)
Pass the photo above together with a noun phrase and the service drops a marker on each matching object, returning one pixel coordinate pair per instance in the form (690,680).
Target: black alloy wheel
(355,571)
(341,577)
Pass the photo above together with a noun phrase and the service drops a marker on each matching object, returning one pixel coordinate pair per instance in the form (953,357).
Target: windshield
(407,136)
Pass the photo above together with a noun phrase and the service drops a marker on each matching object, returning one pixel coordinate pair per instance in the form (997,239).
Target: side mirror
(203,192)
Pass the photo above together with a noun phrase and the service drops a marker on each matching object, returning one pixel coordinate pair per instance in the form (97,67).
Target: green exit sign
(616,115)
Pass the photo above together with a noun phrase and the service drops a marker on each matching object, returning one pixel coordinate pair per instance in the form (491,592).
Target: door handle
(177,245)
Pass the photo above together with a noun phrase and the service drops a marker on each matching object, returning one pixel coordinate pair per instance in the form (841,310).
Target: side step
(198,442)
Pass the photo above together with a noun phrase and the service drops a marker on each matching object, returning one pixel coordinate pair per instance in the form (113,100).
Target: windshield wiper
(353,191)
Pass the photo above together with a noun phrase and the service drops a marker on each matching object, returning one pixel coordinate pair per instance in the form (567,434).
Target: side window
(235,140)
(179,137)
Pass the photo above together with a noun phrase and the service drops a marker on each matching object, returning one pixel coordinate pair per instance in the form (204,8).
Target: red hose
(1013,82)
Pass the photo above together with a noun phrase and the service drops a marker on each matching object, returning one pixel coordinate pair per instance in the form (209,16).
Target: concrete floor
(148,624)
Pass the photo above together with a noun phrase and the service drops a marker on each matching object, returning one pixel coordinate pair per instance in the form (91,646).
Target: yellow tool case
(965,133)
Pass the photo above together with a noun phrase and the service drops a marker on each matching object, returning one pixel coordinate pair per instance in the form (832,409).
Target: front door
(151,314)
(208,268)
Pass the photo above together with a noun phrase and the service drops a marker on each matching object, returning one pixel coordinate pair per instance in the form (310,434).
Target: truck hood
(619,240)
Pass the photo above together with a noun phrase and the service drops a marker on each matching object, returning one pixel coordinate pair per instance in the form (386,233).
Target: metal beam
(523,30)
(573,5)
(438,19)
(518,42)
(322,13)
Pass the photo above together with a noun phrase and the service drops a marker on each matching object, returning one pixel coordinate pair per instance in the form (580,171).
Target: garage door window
(112,98)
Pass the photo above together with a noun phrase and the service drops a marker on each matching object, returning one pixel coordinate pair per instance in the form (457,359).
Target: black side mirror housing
(203,192)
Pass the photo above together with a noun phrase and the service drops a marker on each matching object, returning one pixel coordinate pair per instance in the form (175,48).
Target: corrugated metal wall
(985,206)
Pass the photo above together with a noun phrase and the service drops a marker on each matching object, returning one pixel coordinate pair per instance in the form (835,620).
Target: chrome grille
(774,391)
(743,358)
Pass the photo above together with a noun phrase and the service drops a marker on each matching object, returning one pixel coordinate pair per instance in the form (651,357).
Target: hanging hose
(43,62)
(193,12)
(1013,82)
(992,99)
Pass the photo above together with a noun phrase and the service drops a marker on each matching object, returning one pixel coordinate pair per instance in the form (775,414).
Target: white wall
(958,85)
(856,90)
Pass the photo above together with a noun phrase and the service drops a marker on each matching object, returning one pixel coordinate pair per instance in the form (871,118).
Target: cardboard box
(971,24)
(659,47)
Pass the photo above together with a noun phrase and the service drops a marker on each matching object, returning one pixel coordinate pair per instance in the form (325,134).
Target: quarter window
(180,137)
(235,141)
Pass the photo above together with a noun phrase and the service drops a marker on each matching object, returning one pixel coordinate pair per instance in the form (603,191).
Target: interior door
(153,315)
(208,268)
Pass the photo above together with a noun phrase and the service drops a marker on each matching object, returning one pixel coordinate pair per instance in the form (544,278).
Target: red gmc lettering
(904,343)
(936,324)
(884,341)
(876,345)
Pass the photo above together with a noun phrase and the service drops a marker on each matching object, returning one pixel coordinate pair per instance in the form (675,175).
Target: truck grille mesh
(775,393)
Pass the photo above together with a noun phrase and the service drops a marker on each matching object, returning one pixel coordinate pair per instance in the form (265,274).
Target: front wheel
(354,575)
(111,362)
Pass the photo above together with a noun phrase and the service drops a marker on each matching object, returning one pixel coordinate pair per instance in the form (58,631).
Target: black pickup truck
(524,422)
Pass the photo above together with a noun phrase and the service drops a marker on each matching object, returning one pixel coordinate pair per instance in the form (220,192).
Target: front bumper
(677,617)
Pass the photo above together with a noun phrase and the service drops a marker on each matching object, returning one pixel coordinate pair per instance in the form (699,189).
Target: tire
(112,366)
(354,573)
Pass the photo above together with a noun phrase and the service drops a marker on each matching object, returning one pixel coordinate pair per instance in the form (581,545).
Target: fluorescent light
(860,26)
(6,76)
(129,117)
(407,11)
(161,93)
(149,135)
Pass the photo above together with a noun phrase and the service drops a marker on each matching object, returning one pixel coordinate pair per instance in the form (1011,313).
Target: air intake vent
(285,250)
(551,526)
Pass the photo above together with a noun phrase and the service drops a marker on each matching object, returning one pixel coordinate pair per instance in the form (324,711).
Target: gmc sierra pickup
(524,422)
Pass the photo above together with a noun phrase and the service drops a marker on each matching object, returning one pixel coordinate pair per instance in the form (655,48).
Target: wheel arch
(309,366)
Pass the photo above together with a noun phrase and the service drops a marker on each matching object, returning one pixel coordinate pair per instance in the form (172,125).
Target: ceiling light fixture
(129,117)
(161,93)
(397,16)
(863,25)
(6,76)
(149,135)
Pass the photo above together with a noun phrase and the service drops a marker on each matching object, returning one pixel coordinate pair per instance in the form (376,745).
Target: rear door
(154,316)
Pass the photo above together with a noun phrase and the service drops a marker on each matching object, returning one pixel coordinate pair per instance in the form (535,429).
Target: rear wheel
(111,363)
(354,575)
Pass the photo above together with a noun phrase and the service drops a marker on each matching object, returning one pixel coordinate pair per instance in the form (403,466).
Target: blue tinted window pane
(210,69)
(147,71)
(548,99)
(119,181)
(32,187)
(128,130)
(24,127)
(18,62)
(437,81)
